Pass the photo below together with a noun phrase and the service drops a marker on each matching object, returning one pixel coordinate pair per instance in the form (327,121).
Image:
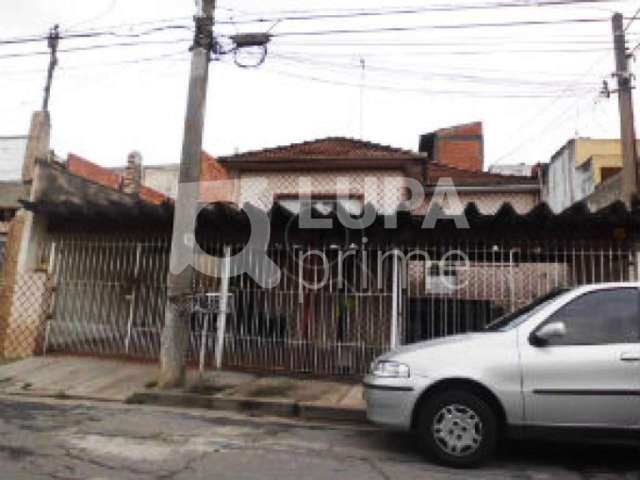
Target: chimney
(132,178)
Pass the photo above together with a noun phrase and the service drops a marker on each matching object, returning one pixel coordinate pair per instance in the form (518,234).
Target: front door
(591,375)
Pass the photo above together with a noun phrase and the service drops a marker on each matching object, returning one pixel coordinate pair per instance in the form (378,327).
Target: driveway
(57,439)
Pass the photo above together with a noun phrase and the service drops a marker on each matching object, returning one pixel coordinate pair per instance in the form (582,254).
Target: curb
(35,394)
(278,408)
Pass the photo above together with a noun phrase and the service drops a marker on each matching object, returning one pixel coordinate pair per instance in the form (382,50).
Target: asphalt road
(82,440)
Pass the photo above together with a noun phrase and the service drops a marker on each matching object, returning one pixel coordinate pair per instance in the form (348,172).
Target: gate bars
(331,313)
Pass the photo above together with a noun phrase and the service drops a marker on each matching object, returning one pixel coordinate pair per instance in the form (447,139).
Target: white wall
(163,178)
(383,188)
(12,150)
(562,189)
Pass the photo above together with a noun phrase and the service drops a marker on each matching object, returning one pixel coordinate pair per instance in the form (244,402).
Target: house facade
(579,168)
(343,295)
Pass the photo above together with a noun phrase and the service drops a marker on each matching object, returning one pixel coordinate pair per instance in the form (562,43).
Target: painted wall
(383,188)
(163,178)
(12,150)
(575,171)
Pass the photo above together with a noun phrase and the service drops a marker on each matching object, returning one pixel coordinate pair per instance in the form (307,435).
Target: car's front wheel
(459,428)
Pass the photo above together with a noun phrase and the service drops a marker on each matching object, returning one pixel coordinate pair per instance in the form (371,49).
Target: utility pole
(179,284)
(630,168)
(52,43)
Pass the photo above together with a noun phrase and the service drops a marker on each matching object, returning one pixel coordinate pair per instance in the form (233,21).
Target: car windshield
(517,317)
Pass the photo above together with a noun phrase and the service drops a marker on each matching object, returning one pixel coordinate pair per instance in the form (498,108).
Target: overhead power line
(163,28)
(95,47)
(632,19)
(405,11)
(94,34)
(459,76)
(522,23)
(426,91)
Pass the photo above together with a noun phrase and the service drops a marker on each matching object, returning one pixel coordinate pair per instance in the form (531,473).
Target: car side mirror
(548,332)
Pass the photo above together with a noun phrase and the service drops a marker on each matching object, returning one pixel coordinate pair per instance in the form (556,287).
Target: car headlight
(390,369)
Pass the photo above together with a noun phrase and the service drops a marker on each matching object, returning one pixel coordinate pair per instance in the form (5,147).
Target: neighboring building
(517,169)
(578,168)
(130,180)
(488,191)
(12,150)
(163,178)
(460,146)
(10,195)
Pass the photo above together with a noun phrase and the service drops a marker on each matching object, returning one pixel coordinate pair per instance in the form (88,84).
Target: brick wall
(460,146)
(9,273)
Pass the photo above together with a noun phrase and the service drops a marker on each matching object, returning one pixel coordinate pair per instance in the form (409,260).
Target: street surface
(55,439)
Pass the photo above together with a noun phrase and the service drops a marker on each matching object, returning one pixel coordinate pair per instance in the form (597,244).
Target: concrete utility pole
(52,42)
(630,168)
(179,285)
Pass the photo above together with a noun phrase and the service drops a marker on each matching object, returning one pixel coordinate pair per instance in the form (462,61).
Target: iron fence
(332,312)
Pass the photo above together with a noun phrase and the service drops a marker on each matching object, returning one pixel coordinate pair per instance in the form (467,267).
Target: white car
(569,361)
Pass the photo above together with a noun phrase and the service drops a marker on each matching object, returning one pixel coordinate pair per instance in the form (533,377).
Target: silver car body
(590,386)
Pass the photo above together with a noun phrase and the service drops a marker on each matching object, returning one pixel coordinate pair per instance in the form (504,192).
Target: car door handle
(630,356)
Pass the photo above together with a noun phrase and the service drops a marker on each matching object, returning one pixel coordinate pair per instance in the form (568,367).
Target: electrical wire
(512,24)
(632,19)
(94,47)
(491,52)
(543,110)
(456,76)
(388,8)
(433,92)
(409,11)
(94,34)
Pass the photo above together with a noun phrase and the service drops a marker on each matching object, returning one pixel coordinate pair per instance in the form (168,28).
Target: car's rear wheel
(459,428)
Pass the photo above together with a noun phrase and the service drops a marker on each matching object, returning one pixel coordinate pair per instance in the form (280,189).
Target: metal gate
(110,295)
(334,310)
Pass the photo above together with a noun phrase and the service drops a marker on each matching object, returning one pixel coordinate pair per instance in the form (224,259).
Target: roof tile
(437,171)
(342,147)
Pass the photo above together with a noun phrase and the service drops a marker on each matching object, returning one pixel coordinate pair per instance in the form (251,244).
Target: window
(441,279)
(518,317)
(601,317)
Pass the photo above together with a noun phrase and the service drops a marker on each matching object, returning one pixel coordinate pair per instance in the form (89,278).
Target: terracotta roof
(330,147)
(103,176)
(436,171)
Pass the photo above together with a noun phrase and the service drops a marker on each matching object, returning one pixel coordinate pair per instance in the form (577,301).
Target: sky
(427,64)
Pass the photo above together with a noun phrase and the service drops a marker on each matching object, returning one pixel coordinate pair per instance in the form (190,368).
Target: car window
(518,317)
(600,317)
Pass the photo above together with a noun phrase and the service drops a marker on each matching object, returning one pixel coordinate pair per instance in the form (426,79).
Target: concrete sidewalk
(132,382)
(76,377)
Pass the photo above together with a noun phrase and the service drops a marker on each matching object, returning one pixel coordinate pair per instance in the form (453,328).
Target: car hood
(451,351)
